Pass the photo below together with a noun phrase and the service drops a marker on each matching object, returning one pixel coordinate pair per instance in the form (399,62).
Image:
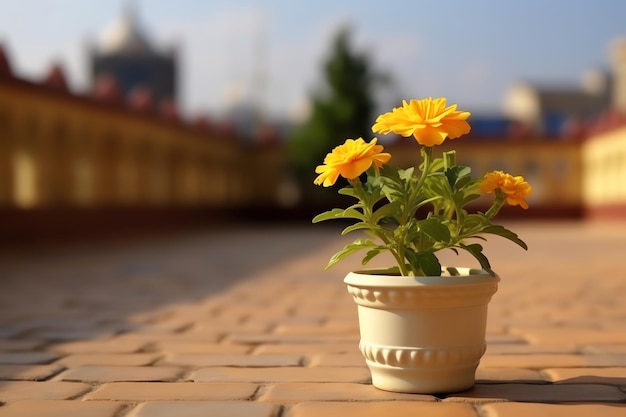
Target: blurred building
(552,167)
(604,153)
(100,159)
(547,109)
(126,54)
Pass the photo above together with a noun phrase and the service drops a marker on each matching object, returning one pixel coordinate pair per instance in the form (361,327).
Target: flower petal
(429,121)
(350,160)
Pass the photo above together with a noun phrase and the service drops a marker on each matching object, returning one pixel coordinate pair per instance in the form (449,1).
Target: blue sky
(468,51)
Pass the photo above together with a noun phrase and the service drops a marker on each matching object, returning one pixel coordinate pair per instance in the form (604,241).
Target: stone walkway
(246,323)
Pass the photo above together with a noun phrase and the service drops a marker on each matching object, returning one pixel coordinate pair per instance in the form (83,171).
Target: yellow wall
(553,168)
(604,158)
(59,150)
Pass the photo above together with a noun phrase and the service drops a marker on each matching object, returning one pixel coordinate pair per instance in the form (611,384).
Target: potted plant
(422,324)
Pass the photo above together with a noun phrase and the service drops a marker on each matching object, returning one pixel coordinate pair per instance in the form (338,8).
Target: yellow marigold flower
(516,189)
(350,160)
(429,121)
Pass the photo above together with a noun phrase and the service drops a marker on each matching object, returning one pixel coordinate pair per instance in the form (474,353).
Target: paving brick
(605,349)
(307,348)
(47,390)
(285,374)
(20,345)
(11,331)
(120,373)
(496,328)
(333,391)
(308,320)
(99,346)
(180,347)
(551,410)
(17,358)
(380,409)
(338,360)
(70,334)
(532,361)
(110,359)
(552,361)
(317,329)
(251,361)
(524,349)
(144,338)
(551,393)
(204,409)
(249,338)
(172,391)
(57,408)
(607,376)
(172,325)
(499,375)
(571,336)
(504,338)
(28,372)
(218,326)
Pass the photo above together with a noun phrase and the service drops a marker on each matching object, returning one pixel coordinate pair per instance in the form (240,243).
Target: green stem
(410,205)
(427,152)
(368,212)
(498,202)
(414,193)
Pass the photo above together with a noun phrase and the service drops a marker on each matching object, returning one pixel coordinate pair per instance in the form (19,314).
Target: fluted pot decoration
(423,334)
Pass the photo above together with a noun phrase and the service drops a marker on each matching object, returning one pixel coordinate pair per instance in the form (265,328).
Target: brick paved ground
(245,323)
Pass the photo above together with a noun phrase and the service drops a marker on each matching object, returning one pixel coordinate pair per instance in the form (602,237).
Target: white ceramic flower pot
(423,334)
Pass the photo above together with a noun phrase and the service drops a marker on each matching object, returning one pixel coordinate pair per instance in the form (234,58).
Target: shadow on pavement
(71,293)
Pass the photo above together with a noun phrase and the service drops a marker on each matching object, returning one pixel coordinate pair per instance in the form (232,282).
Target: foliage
(342,108)
(414,213)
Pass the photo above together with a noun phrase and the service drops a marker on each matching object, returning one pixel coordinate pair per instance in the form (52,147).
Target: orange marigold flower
(428,120)
(350,160)
(515,189)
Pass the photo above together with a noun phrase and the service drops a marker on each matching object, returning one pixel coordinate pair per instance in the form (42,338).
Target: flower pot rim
(469,276)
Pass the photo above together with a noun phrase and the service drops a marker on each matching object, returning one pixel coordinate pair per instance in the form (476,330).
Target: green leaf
(449,159)
(434,229)
(387,210)
(426,262)
(347,191)
(371,254)
(505,233)
(455,173)
(469,198)
(429,263)
(393,271)
(351,248)
(476,251)
(437,164)
(328,215)
(356,226)
(473,221)
(428,200)
(337,213)
(406,174)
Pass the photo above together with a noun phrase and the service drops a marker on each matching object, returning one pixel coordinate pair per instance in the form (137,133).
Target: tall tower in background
(126,54)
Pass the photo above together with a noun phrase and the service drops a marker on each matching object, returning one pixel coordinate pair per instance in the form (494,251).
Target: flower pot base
(422,380)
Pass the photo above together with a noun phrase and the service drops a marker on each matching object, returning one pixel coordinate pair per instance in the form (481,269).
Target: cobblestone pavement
(246,323)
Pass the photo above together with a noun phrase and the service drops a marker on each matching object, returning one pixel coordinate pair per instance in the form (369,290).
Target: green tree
(343,108)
